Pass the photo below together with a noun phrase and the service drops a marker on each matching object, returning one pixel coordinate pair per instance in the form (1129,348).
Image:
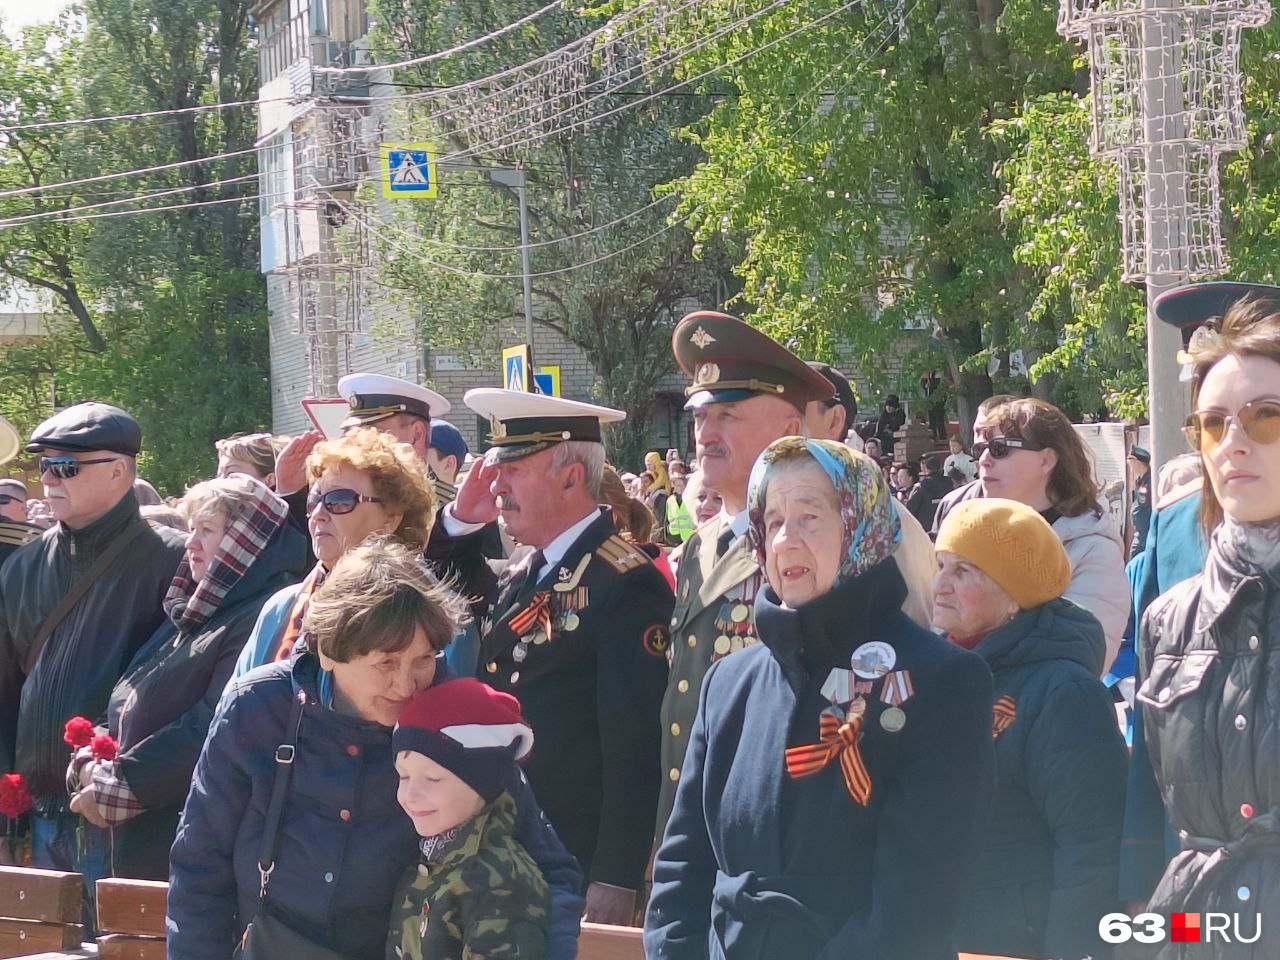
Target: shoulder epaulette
(621,555)
(17,533)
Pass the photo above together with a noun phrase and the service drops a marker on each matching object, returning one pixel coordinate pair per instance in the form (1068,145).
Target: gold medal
(571,621)
(539,638)
(722,645)
(735,644)
(491,667)
(748,641)
(893,720)
(740,612)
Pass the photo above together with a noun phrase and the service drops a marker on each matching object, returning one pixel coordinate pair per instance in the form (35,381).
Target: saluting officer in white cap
(579,634)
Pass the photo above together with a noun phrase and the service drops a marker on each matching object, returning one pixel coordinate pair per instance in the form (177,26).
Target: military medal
(835,711)
(740,612)
(873,660)
(571,621)
(836,687)
(722,645)
(858,707)
(896,688)
(520,652)
(893,720)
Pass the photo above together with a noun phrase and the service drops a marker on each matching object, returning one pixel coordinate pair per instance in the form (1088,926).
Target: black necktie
(530,576)
(723,541)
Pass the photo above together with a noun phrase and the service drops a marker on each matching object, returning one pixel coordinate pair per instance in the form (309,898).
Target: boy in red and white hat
(475,889)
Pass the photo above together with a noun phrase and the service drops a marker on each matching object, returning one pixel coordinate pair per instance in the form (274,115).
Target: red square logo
(1185,928)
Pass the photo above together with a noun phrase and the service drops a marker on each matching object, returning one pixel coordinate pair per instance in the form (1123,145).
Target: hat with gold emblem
(731,360)
(375,396)
(522,424)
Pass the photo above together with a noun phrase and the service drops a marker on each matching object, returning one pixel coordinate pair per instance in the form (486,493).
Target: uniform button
(345,814)
(515,676)
(693,641)
(675,729)
(674,621)
(1244,893)
(683,686)
(674,775)
(328,878)
(491,667)
(353,750)
(1253,643)
(1241,721)
(1246,810)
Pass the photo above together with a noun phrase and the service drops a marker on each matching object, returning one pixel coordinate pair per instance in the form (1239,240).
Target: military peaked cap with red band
(730,360)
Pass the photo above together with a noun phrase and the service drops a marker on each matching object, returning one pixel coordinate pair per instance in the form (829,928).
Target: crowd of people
(372,696)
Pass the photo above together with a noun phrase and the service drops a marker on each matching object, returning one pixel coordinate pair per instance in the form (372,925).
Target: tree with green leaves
(614,291)
(169,306)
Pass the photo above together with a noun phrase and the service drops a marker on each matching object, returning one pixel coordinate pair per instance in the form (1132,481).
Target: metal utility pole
(1165,81)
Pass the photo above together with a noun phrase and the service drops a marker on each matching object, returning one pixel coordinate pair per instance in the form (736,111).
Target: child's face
(435,799)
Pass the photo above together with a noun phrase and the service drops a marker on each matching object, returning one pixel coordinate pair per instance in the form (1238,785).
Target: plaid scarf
(191,604)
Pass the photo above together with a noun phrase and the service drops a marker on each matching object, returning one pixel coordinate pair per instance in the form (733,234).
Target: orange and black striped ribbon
(1002,714)
(537,612)
(838,740)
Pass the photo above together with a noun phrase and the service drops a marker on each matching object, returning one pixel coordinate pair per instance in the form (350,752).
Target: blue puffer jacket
(344,840)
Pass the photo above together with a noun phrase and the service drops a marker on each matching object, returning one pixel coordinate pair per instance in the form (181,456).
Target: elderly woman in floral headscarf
(240,551)
(839,773)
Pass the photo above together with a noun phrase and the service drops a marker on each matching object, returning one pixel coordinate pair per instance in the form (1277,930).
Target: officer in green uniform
(578,633)
(747,392)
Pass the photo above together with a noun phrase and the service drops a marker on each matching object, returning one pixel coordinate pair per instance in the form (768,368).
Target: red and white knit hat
(468,728)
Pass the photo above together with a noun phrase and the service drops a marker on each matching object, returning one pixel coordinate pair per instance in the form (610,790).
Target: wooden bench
(131,921)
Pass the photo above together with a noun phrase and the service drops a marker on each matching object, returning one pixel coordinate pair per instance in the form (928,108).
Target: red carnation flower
(78,733)
(104,747)
(15,798)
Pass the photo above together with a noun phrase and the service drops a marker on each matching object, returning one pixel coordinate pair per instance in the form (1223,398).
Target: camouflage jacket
(484,897)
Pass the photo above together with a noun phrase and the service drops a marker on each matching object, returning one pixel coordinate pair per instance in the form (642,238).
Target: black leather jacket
(1211,707)
(89,650)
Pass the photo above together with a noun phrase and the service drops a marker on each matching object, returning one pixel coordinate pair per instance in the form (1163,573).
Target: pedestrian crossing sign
(515,368)
(408,170)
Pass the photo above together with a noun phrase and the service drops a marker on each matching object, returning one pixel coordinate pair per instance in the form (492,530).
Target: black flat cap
(844,392)
(1190,305)
(88,426)
(730,360)
(1140,453)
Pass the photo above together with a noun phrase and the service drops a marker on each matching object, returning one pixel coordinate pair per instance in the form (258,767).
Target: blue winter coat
(757,866)
(1053,848)
(344,840)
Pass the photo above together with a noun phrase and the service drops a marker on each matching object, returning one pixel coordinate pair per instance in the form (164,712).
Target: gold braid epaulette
(622,556)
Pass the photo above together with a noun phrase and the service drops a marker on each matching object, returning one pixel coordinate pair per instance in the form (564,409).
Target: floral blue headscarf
(872,530)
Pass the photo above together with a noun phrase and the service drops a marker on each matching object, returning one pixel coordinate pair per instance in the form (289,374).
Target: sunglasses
(337,502)
(1001,447)
(1260,421)
(8,498)
(64,468)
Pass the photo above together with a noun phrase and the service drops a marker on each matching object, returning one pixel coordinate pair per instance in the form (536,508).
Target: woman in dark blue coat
(1051,858)
(372,638)
(839,773)
(240,551)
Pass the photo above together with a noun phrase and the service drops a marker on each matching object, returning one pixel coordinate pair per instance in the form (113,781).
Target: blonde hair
(398,476)
(375,599)
(257,449)
(229,496)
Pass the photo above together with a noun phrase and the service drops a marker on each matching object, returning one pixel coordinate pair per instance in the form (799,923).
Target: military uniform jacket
(483,897)
(591,687)
(713,617)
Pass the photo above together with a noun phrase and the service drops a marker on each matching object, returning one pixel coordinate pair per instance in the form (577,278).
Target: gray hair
(589,453)
(230,496)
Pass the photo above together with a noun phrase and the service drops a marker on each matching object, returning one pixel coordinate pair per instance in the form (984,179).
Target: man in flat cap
(74,608)
(579,634)
(1139,461)
(404,410)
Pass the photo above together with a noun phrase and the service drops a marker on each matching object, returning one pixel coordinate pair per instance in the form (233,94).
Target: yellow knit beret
(1011,544)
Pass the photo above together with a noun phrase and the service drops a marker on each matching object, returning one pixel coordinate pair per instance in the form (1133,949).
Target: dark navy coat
(344,840)
(757,866)
(160,709)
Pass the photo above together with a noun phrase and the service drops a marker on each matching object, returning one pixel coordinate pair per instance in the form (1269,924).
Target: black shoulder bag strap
(285,754)
(79,589)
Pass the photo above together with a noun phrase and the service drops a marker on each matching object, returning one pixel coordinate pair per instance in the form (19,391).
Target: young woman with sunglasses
(1211,687)
(1028,451)
(364,483)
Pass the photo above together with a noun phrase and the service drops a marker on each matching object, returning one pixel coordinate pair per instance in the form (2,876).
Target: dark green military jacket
(483,897)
